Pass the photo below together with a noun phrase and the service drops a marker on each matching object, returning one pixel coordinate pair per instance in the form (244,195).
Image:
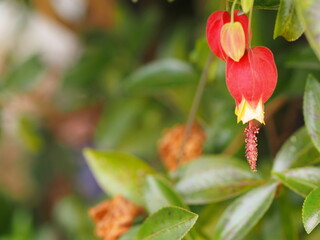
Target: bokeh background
(113,75)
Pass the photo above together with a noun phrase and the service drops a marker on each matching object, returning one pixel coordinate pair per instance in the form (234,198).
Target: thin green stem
(249,24)
(195,106)
(232,10)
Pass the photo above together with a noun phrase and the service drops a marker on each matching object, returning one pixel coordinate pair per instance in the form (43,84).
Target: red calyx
(253,78)
(214,25)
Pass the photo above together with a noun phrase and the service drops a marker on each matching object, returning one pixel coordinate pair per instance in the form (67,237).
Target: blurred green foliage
(142,72)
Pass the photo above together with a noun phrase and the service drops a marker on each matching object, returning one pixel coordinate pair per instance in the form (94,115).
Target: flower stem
(249,24)
(232,10)
(195,106)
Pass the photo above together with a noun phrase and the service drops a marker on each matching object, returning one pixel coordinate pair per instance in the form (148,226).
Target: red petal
(254,77)
(214,25)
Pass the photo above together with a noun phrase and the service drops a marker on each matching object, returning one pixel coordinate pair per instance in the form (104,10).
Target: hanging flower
(251,82)
(217,24)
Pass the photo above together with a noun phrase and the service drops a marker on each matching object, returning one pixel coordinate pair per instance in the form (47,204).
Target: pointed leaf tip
(311,210)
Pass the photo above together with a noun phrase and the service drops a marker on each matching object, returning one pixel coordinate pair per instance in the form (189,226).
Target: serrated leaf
(297,151)
(311,110)
(287,23)
(119,173)
(311,210)
(167,223)
(161,74)
(308,13)
(244,213)
(158,194)
(215,178)
(300,180)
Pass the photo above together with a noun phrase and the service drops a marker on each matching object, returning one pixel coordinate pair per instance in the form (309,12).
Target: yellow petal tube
(233,40)
(246,113)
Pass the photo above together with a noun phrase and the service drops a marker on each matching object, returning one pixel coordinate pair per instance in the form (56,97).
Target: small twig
(195,106)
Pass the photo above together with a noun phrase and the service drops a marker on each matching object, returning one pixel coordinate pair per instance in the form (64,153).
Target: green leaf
(119,173)
(300,180)
(161,74)
(308,13)
(23,76)
(215,178)
(132,234)
(158,194)
(311,110)
(168,223)
(311,210)
(246,5)
(287,24)
(117,120)
(244,213)
(297,151)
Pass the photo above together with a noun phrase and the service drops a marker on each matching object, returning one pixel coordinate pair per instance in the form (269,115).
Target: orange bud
(233,40)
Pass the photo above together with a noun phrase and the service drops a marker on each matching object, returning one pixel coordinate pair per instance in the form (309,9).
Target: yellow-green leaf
(168,223)
(311,210)
(287,23)
(119,173)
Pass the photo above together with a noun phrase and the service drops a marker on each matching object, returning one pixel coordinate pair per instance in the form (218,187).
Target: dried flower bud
(170,145)
(114,217)
(233,40)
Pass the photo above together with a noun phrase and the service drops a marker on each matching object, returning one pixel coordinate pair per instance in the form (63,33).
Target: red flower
(214,25)
(251,82)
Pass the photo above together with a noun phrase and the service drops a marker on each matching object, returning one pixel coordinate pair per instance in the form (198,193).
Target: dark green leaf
(117,120)
(308,13)
(287,24)
(300,180)
(119,173)
(215,178)
(265,4)
(168,223)
(302,58)
(161,74)
(158,194)
(311,109)
(297,151)
(244,213)
(311,210)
